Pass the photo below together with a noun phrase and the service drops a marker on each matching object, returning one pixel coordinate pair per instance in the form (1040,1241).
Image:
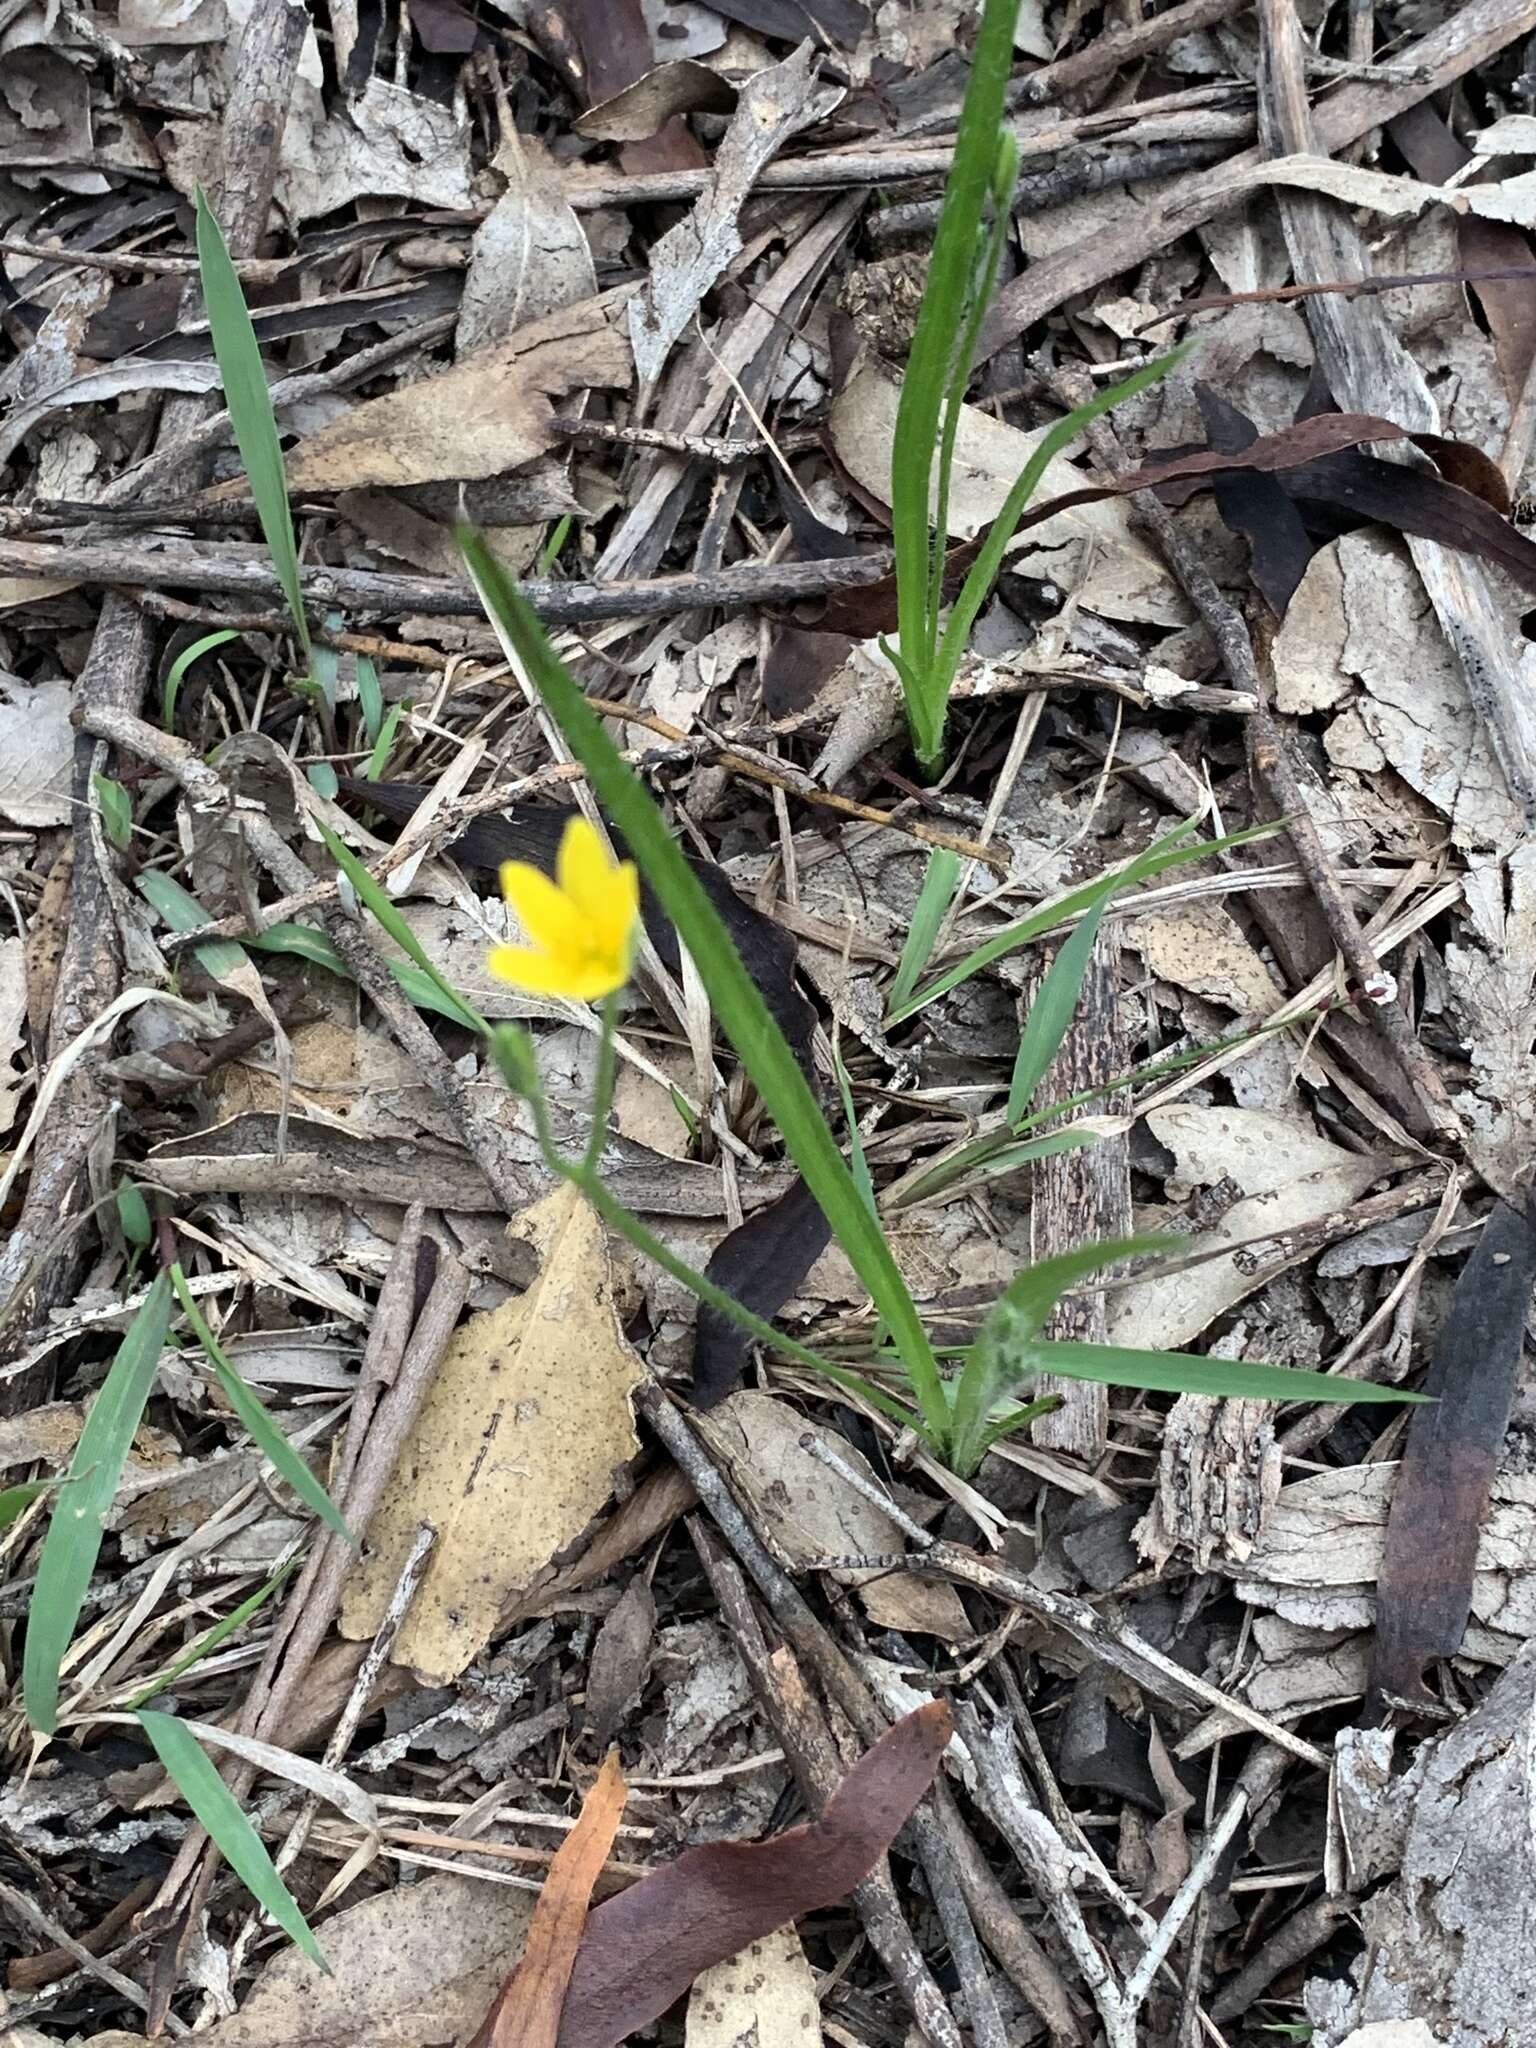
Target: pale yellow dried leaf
(489,414)
(514,1451)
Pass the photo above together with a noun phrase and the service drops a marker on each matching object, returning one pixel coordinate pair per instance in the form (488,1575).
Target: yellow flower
(582,924)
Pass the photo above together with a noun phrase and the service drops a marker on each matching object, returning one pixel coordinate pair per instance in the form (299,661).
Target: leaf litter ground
(1235,1686)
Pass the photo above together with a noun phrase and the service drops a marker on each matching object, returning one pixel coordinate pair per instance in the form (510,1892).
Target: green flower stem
(602,1089)
(583,1175)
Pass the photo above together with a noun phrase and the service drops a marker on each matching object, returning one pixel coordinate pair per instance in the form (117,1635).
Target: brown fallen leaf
(526,2013)
(644,1948)
(489,414)
(514,1451)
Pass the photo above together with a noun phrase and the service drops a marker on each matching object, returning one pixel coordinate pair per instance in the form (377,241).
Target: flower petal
(545,913)
(539,974)
(584,868)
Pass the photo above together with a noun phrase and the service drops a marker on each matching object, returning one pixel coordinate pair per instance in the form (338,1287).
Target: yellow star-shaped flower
(582,924)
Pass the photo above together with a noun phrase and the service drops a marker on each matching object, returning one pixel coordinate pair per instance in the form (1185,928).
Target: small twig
(824,1454)
(1291,1943)
(252,269)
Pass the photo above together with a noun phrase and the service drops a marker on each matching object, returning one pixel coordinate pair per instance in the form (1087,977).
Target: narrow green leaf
(996,1363)
(259,1426)
(116,807)
(210,1639)
(133,1215)
(1050,1014)
(73,1542)
(983,572)
(734,995)
(14,1499)
(549,553)
(858,1165)
(250,407)
(370,699)
(197,1780)
(941,319)
(324,665)
(1169,851)
(385,910)
(303,942)
(178,669)
(322,778)
(183,913)
(1186,1372)
(383,746)
(933,901)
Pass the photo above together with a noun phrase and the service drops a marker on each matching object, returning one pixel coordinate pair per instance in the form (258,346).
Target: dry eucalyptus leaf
(529,256)
(678,87)
(690,258)
(514,1451)
(1169,1310)
(812,1512)
(1092,550)
(37,751)
(488,414)
(765,1996)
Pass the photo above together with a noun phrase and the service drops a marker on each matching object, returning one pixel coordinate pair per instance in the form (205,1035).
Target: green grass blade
(1186,1372)
(383,746)
(983,571)
(183,913)
(196,1778)
(386,911)
(426,991)
(858,1165)
(15,1499)
(73,1542)
(257,1423)
(178,669)
(933,901)
(250,407)
(1050,1014)
(210,1639)
(370,699)
(734,995)
(951,272)
(1169,851)
(116,807)
(999,1358)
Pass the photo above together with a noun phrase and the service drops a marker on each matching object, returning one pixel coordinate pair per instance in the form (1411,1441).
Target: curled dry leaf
(490,413)
(690,257)
(680,87)
(514,1451)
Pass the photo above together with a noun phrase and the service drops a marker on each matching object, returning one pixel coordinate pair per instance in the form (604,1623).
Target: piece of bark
(1081,1197)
